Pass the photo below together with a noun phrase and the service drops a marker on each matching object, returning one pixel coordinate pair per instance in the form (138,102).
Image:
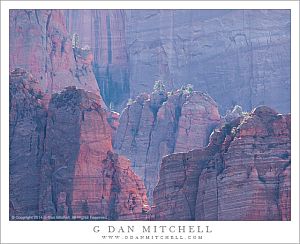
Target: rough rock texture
(27,121)
(156,125)
(199,115)
(104,32)
(236,56)
(113,120)
(243,174)
(61,160)
(40,44)
(80,174)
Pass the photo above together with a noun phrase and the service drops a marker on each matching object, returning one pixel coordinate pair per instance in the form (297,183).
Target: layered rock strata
(243,174)
(236,56)
(159,124)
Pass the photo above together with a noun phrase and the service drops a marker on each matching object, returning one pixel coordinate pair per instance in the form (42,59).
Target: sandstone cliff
(61,159)
(243,174)
(159,124)
(80,174)
(104,32)
(236,56)
(40,44)
(27,121)
(62,162)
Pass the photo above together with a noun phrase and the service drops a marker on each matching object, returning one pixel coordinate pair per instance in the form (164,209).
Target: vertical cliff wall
(159,124)
(61,160)
(40,44)
(27,122)
(81,176)
(104,32)
(236,56)
(243,174)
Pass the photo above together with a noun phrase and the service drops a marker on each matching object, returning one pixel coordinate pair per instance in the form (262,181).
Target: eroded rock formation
(61,159)
(243,174)
(81,176)
(236,56)
(27,121)
(159,124)
(62,162)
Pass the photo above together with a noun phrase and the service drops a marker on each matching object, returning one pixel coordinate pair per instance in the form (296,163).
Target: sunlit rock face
(61,160)
(243,174)
(66,142)
(81,174)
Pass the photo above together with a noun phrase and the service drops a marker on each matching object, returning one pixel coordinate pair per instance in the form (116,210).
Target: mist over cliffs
(133,114)
(236,56)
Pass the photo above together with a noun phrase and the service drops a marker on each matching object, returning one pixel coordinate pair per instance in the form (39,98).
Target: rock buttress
(27,124)
(159,124)
(61,160)
(81,177)
(243,174)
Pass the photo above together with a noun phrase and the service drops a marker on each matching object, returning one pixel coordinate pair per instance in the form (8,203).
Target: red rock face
(199,115)
(61,163)
(61,157)
(113,120)
(80,175)
(157,125)
(40,43)
(132,48)
(69,162)
(243,174)
(127,198)
(221,52)
(104,32)
(27,123)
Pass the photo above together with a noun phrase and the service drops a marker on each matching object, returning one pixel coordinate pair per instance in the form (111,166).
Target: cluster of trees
(160,87)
